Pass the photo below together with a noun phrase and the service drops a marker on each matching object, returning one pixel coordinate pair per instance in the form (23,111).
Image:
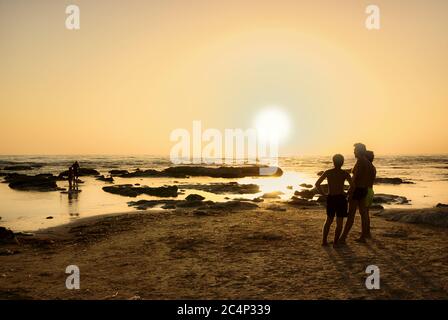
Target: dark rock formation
(382,198)
(392,181)
(186,171)
(105,179)
(194,197)
(146,204)
(141,174)
(82,172)
(306,194)
(221,172)
(7,236)
(223,188)
(191,203)
(18,168)
(118,172)
(296,201)
(129,190)
(40,182)
(233,205)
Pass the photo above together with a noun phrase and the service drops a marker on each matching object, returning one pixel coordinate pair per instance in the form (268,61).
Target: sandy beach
(272,252)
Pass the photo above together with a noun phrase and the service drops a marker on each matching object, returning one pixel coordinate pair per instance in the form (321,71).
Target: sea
(33,210)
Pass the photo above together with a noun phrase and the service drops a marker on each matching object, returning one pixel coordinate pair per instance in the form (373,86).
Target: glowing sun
(272,123)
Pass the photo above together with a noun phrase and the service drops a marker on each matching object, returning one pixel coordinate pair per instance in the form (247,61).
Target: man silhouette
(370,194)
(362,177)
(75,173)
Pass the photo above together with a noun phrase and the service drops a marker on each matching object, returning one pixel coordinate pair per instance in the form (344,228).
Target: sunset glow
(132,74)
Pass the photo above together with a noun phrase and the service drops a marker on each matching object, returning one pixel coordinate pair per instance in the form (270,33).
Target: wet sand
(269,253)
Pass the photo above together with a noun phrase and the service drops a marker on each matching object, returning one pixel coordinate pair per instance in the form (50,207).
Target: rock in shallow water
(82,172)
(224,188)
(105,179)
(129,190)
(194,197)
(221,172)
(116,172)
(392,181)
(201,171)
(140,174)
(306,194)
(40,182)
(382,198)
(18,168)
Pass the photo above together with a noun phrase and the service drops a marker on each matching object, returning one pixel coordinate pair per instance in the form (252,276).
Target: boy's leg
(352,206)
(338,231)
(326,229)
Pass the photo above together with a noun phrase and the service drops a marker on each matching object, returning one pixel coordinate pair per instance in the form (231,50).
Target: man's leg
(364,221)
(326,230)
(368,233)
(352,205)
(338,231)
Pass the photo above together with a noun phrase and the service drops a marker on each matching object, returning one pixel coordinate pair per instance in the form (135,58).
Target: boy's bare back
(336,179)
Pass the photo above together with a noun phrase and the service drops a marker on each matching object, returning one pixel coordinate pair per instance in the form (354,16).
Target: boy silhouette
(336,198)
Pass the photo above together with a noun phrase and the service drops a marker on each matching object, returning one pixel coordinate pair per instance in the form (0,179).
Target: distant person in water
(362,180)
(336,198)
(369,199)
(70,178)
(76,172)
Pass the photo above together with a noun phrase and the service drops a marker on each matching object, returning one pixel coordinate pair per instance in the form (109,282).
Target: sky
(137,70)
